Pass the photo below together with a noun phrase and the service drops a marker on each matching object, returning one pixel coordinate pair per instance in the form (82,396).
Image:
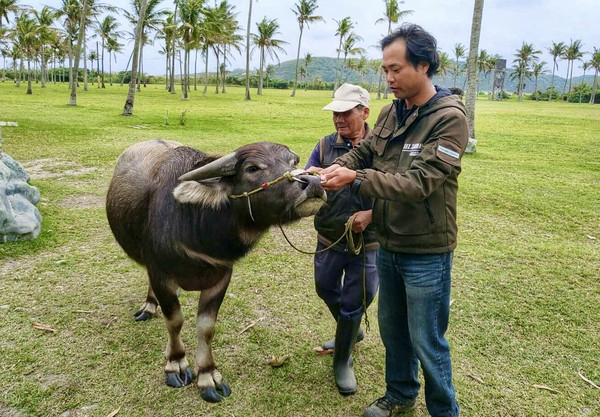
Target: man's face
(350,123)
(404,79)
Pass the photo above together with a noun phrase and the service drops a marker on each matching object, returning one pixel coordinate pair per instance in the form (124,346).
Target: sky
(506,24)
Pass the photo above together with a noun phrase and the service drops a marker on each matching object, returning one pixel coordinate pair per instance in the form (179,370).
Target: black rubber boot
(345,338)
(335,312)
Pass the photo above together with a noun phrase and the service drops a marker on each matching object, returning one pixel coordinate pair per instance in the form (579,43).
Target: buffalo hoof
(142,315)
(177,380)
(214,395)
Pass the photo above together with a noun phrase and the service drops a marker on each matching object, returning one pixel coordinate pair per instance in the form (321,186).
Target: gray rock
(19,217)
(471,146)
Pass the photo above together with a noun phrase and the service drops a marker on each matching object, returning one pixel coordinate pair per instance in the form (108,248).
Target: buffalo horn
(222,167)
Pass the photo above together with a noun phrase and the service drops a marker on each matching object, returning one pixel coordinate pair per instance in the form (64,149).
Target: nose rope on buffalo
(355,248)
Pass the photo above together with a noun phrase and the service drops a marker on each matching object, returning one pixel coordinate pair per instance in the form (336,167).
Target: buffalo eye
(252,168)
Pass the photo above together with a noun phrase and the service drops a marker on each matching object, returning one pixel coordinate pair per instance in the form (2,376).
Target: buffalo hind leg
(148,309)
(177,368)
(213,388)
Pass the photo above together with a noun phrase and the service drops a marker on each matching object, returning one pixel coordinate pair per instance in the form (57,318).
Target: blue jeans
(346,279)
(414,306)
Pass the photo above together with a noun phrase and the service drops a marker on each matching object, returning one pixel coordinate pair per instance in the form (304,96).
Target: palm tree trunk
(80,41)
(552,81)
(184,82)
(594,86)
(261,66)
(173,47)
(205,72)
(472,68)
(297,62)
(196,69)
(248,50)
(102,73)
(126,68)
(85,71)
(566,78)
(128,108)
(29,91)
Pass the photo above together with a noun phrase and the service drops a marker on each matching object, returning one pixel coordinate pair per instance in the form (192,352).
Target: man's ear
(366,113)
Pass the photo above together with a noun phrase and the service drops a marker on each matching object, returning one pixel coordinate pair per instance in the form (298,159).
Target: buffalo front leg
(148,309)
(213,387)
(177,369)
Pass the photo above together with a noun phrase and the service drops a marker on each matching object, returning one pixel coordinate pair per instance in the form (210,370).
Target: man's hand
(360,220)
(336,177)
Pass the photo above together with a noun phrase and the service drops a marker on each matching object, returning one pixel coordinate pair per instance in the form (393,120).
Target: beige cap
(347,97)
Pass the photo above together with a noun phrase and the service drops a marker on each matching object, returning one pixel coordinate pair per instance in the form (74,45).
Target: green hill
(323,69)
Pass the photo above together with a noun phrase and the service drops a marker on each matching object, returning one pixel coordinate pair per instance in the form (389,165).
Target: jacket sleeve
(438,159)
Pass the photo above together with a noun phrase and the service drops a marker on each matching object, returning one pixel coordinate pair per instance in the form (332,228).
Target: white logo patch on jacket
(412,148)
(449,152)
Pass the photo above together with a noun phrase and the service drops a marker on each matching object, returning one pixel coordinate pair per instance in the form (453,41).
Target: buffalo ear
(212,194)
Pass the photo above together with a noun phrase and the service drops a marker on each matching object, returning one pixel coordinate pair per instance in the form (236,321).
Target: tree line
(47,43)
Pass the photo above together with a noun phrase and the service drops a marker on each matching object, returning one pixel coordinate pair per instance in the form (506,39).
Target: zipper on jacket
(429,211)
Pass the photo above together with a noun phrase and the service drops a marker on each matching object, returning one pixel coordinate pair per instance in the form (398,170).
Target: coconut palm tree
(304,14)
(107,30)
(93,56)
(6,7)
(557,50)
(537,70)
(113,47)
(269,73)
(349,48)
(345,26)
(77,53)
(595,61)
(526,58)
(190,13)
(267,44)
(585,66)
(572,53)
(308,59)
(27,38)
(248,34)
(472,68)
(484,65)
(47,35)
(393,14)
(71,11)
(151,19)
(459,52)
(137,45)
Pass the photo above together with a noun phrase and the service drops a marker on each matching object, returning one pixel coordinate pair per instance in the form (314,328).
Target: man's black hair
(421,46)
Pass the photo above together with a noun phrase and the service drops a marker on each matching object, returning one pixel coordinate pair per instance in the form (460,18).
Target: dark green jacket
(411,169)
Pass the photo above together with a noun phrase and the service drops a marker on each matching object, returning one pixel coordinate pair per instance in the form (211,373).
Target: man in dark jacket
(345,275)
(410,165)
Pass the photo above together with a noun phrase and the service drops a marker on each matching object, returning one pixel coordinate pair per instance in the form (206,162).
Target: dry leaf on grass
(276,362)
(114,413)
(546,388)
(251,325)
(43,327)
(587,380)
(476,378)
(320,351)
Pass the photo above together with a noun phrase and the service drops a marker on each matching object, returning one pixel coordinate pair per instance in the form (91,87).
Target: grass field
(525,319)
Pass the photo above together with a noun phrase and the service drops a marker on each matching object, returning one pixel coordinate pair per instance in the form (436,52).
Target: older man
(347,281)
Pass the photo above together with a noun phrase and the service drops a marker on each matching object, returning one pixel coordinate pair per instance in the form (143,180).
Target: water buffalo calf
(187,217)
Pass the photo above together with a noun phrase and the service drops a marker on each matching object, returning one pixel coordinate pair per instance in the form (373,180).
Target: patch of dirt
(83,202)
(51,168)
(10,412)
